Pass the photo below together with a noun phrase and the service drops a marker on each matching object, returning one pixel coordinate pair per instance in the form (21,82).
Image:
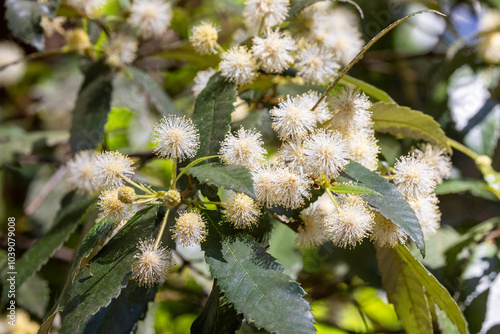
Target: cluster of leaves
(252,289)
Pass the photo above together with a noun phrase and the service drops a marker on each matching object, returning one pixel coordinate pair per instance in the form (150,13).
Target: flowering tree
(281,143)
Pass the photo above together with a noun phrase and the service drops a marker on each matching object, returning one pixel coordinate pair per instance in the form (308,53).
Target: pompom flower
(151,16)
(291,119)
(291,154)
(77,40)
(267,13)
(414,177)
(350,223)
(438,159)
(204,38)
(11,53)
(79,171)
(152,264)
(238,65)
(273,51)
(291,188)
(189,229)
(364,149)
(121,50)
(325,153)
(264,183)
(312,233)
(308,101)
(109,168)
(317,65)
(201,80)
(244,148)
(427,211)
(387,234)
(176,137)
(113,208)
(353,111)
(241,210)
(345,42)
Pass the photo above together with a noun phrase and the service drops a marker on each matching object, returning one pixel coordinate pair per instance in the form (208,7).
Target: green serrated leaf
(212,114)
(217,315)
(404,291)
(111,269)
(159,97)
(391,204)
(369,89)
(346,188)
(254,282)
(123,313)
(34,295)
(87,250)
(433,288)
(23,17)
(91,108)
(73,212)
(397,120)
(230,177)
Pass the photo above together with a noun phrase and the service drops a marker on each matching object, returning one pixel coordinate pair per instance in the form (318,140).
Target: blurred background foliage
(429,63)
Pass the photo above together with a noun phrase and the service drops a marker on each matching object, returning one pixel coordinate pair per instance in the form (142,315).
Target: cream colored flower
(152,264)
(152,17)
(175,137)
(204,38)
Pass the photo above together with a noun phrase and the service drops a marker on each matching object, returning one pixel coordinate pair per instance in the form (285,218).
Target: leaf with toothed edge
(252,280)
(111,270)
(391,204)
(73,211)
(212,114)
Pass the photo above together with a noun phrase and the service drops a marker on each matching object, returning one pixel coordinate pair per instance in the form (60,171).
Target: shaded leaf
(391,204)
(254,282)
(73,212)
(397,120)
(23,17)
(368,89)
(122,314)
(159,97)
(111,270)
(346,188)
(404,291)
(433,288)
(217,315)
(236,178)
(91,108)
(34,295)
(212,114)
(475,187)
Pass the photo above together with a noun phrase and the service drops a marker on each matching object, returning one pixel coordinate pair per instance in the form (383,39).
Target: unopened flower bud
(126,195)
(172,198)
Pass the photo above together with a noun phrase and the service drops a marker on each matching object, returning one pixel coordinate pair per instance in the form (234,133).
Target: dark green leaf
(89,247)
(254,282)
(230,177)
(217,315)
(159,97)
(91,109)
(212,114)
(391,204)
(123,313)
(371,90)
(111,269)
(347,188)
(433,288)
(23,17)
(73,212)
(397,120)
(34,295)
(404,291)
